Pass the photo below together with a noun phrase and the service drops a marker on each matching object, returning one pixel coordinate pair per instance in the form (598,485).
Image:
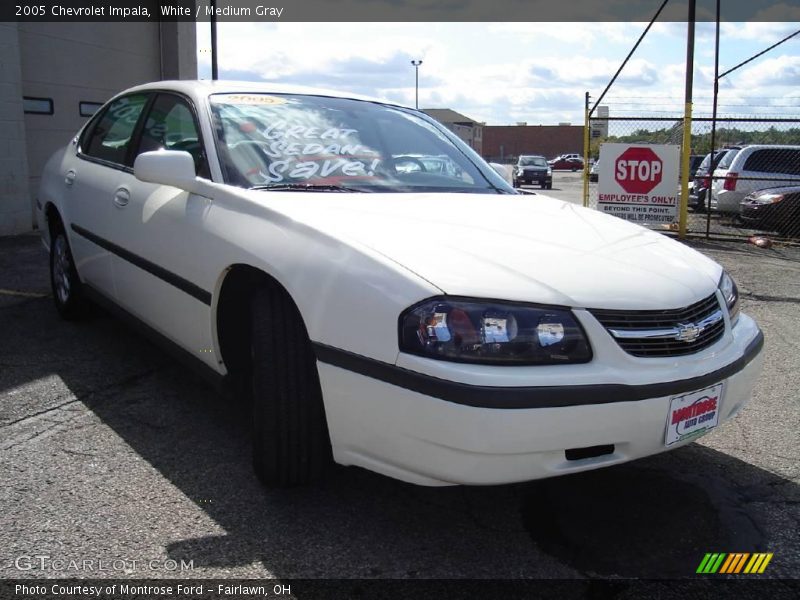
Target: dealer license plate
(693,414)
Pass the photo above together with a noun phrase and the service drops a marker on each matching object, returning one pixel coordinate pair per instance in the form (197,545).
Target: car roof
(531,156)
(202,88)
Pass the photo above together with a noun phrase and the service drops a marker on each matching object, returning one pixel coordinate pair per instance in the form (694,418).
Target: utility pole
(686,149)
(214,69)
(416,64)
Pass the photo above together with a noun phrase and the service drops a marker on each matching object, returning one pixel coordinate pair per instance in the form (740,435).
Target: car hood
(525,248)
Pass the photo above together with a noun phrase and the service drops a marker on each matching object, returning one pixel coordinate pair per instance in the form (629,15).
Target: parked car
(752,168)
(568,156)
(533,169)
(695,160)
(571,164)
(505,171)
(702,178)
(774,209)
(437,329)
(594,172)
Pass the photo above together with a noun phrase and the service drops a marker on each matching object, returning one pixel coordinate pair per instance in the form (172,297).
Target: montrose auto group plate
(693,414)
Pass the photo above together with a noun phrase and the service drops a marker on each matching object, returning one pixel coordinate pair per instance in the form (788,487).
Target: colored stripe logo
(734,563)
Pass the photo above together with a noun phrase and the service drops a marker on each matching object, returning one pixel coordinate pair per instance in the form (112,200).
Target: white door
(160,275)
(93,177)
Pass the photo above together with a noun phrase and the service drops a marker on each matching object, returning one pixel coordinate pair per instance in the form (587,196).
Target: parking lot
(568,186)
(113,451)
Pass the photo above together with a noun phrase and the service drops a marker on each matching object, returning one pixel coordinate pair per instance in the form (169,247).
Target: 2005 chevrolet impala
(381,295)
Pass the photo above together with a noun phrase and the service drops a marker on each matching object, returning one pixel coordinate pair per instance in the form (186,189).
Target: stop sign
(638,170)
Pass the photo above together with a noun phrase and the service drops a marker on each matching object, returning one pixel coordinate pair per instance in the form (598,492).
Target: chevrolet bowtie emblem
(688,332)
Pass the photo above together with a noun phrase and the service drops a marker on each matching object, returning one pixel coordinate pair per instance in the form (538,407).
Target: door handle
(122,197)
(69,178)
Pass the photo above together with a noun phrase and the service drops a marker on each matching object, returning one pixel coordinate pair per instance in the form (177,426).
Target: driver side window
(170,125)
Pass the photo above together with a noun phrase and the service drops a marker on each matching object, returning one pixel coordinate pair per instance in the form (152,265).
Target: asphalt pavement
(112,451)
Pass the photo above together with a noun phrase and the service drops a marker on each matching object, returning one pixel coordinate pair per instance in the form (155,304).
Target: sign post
(639,182)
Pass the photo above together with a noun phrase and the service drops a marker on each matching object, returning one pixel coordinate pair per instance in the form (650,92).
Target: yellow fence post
(586,155)
(686,150)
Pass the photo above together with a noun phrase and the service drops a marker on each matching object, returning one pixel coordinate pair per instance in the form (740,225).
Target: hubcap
(61,269)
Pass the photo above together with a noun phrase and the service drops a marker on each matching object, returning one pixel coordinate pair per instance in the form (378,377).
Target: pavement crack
(770,298)
(86,395)
(41,412)
(77,453)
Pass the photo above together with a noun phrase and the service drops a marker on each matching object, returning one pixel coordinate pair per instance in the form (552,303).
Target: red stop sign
(638,170)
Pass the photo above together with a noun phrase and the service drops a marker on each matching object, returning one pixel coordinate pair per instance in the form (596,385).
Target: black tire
(291,445)
(549,186)
(64,281)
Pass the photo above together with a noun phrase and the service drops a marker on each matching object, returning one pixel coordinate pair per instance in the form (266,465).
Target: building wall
(70,63)
(506,142)
(15,210)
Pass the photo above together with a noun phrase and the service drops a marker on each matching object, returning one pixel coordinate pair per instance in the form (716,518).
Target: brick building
(467,129)
(503,143)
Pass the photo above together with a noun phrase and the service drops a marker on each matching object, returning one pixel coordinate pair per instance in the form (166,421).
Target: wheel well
(54,221)
(233,315)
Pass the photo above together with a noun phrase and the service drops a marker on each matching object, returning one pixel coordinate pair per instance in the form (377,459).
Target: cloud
(782,70)
(499,72)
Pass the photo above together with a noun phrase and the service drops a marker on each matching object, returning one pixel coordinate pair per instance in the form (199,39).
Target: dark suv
(533,169)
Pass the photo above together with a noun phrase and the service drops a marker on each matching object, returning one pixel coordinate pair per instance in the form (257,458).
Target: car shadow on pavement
(652,518)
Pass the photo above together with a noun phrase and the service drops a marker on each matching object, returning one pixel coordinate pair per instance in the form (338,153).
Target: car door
(92,182)
(160,229)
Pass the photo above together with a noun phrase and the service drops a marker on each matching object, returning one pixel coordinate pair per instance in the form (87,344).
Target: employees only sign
(639,182)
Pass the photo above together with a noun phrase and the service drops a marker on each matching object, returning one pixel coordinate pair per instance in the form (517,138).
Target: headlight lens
(767,198)
(731,294)
(490,332)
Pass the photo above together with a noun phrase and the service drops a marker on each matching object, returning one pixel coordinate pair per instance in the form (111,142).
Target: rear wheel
(291,445)
(64,280)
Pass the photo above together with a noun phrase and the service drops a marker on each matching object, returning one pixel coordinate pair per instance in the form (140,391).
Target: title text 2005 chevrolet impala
(382,295)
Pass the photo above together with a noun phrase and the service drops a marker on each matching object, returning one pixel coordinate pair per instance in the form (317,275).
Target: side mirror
(503,171)
(169,167)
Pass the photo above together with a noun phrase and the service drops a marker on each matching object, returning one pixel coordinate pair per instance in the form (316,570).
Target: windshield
(312,142)
(532,161)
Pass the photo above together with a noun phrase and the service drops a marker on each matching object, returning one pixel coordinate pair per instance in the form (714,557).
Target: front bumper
(396,429)
(540,178)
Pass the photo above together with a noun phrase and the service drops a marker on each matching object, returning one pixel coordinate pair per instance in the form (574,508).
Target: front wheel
(291,445)
(64,280)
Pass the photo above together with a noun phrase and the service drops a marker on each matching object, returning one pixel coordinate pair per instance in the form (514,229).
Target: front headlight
(549,170)
(731,294)
(767,198)
(493,332)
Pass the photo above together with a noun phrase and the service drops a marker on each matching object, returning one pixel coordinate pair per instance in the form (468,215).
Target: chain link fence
(751,185)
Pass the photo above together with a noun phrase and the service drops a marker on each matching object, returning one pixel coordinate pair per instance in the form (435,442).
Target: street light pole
(416,64)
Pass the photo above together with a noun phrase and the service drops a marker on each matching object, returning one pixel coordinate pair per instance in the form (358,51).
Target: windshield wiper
(304,187)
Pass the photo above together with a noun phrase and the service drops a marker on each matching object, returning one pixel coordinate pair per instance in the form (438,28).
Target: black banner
(374,589)
(389,10)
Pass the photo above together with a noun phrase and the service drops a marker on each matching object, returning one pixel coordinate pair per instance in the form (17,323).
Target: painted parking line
(23,294)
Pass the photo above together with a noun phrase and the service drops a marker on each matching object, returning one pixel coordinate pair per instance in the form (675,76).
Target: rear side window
(111,137)
(171,125)
(726,161)
(774,160)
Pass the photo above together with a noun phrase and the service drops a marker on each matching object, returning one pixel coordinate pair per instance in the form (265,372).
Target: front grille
(654,333)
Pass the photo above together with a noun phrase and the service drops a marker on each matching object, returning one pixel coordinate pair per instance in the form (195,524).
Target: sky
(505,73)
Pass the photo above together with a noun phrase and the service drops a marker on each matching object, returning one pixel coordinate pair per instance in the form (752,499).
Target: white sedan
(432,326)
